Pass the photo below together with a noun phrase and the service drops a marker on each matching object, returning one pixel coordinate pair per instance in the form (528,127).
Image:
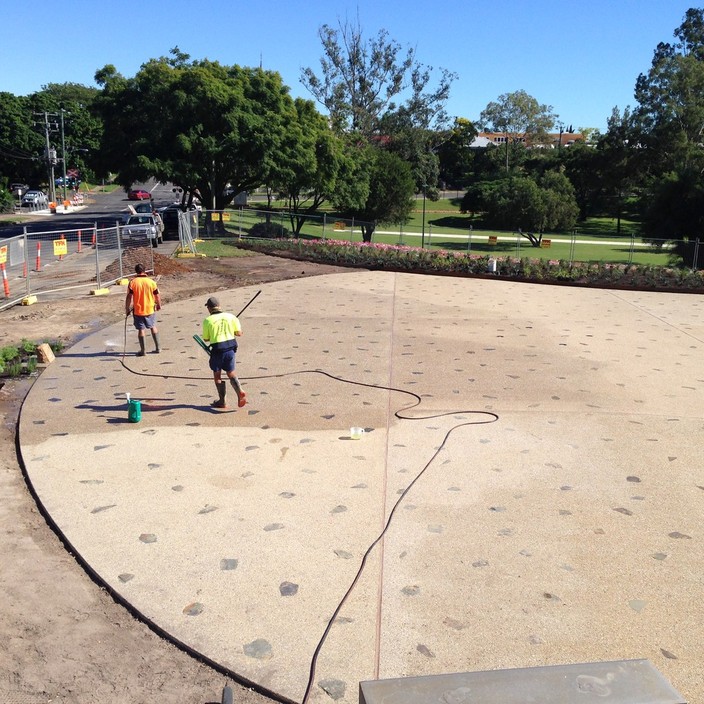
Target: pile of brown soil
(163,265)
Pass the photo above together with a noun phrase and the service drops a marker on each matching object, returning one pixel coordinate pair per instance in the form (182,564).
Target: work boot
(241,395)
(222,390)
(155,337)
(141,346)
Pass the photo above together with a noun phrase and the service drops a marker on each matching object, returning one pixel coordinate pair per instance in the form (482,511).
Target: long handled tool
(200,340)
(250,303)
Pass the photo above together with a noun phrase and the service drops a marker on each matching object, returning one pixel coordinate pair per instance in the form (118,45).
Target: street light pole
(422,238)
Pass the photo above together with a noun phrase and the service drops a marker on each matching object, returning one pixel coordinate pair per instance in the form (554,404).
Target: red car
(139,194)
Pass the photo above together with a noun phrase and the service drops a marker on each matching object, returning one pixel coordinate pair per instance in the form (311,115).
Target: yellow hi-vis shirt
(219,330)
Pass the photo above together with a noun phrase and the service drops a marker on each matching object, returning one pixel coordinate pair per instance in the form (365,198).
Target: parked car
(18,189)
(139,194)
(71,181)
(142,226)
(35,199)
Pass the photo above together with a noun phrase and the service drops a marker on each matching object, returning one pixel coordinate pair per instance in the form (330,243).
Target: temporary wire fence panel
(40,263)
(572,247)
(248,222)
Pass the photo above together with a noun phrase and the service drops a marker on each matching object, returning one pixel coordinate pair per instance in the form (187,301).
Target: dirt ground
(64,639)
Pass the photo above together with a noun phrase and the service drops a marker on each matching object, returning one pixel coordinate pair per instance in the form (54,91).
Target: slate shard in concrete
(273,526)
(194,609)
(100,509)
(288,589)
(228,563)
(259,649)
(619,682)
(333,688)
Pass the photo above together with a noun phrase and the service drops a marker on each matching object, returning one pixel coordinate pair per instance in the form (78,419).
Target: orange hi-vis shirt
(143,291)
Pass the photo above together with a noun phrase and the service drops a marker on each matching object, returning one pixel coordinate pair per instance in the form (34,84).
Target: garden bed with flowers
(440,262)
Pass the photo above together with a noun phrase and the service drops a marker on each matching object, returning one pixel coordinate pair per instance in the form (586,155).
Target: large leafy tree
(21,146)
(583,166)
(619,156)
(669,124)
(363,80)
(378,91)
(308,163)
(675,212)
(378,188)
(455,155)
(670,112)
(70,106)
(526,204)
(520,118)
(25,121)
(210,129)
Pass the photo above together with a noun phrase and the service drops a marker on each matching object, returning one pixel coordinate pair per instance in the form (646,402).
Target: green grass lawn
(595,240)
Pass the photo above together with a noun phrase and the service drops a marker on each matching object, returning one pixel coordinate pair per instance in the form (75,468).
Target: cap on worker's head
(212,302)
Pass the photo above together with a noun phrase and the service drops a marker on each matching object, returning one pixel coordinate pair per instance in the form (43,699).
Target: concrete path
(568,530)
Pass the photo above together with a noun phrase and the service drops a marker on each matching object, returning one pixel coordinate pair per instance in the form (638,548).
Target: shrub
(269,230)
(416,259)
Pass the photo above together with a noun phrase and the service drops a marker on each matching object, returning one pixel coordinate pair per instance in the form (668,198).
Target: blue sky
(582,58)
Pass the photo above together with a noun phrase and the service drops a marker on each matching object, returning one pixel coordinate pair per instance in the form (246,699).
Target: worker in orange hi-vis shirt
(143,300)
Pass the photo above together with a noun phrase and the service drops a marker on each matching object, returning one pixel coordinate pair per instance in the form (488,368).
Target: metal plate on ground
(23,698)
(618,682)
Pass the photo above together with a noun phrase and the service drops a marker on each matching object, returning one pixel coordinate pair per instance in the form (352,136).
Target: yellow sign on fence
(545,244)
(215,217)
(3,254)
(60,248)
(225,217)
(493,239)
(339,225)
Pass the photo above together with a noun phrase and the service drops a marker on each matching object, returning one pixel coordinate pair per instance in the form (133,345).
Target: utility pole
(63,152)
(49,153)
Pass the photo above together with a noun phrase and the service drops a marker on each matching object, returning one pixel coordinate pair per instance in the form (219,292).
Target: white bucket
(356,433)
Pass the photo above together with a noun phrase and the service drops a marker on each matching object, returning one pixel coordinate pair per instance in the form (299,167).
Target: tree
(561,209)
(522,203)
(669,120)
(583,166)
(82,129)
(21,146)
(385,196)
(361,80)
(675,213)
(670,114)
(23,130)
(210,129)
(379,92)
(519,117)
(308,163)
(619,154)
(455,155)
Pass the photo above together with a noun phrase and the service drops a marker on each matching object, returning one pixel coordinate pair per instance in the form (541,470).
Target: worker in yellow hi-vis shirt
(219,332)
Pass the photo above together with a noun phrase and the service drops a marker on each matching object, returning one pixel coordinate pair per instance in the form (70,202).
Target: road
(104,208)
